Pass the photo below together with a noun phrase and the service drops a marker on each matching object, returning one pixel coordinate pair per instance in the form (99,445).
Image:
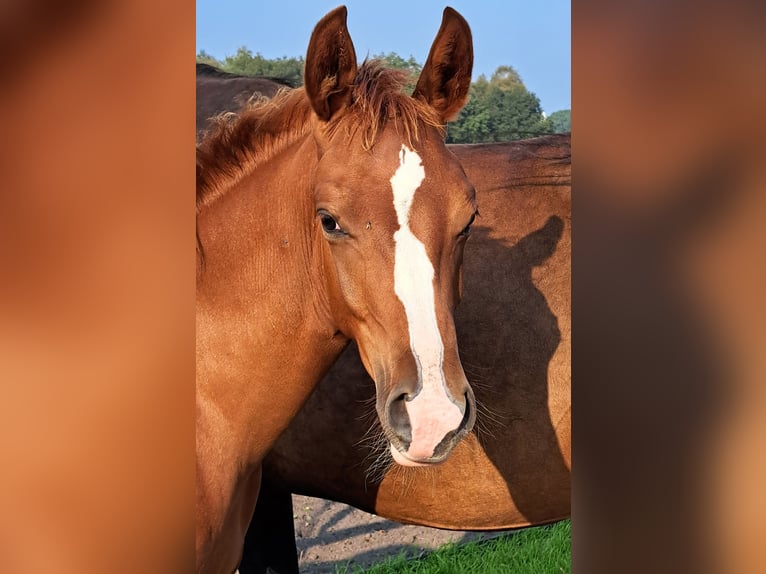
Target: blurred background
(668,369)
(97,290)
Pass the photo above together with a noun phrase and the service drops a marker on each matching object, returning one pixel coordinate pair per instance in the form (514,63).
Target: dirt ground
(329,534)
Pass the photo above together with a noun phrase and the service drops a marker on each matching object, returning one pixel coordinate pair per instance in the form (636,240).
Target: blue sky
(532,36)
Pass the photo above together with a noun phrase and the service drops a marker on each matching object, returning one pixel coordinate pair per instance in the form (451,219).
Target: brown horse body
(514,330)
(219,92)
(333,213)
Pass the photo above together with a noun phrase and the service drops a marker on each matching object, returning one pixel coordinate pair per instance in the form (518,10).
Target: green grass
(541,550)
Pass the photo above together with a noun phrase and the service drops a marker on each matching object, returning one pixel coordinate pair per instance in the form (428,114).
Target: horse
(219,92)
(514,330)
(331,213)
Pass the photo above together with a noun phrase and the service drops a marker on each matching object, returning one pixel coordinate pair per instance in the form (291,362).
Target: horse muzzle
(424,428)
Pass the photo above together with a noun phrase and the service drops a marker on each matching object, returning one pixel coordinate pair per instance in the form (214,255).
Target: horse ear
(330,65)
(446,75)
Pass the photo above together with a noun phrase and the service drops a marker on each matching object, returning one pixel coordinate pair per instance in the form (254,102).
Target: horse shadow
(508,336)
(652,375)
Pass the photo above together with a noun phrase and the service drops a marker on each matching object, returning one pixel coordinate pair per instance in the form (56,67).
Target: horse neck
(264,337)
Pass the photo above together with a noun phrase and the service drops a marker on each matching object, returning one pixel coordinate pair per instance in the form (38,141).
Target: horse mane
(238,143)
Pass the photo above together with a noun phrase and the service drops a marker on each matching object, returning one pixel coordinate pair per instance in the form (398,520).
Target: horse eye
(329,224)
(467,228)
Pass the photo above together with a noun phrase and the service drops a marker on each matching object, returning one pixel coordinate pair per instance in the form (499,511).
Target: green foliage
(561,121)
(506,78)
(411,66)
(531,551)
(249,64)
(246,63)
(394,60)
(205,58)
(499,109)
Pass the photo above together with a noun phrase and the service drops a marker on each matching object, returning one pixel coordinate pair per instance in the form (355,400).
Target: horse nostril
(466,409)
(469,414)
(399,419)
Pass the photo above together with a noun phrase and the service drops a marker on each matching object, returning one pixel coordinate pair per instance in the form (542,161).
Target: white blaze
(432,413)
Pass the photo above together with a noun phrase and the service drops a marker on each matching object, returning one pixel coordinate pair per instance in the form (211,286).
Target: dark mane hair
(240,142)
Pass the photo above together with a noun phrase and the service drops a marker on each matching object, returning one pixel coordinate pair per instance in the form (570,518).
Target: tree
(499,109)
(506,78)
(248,64)
(205,58)
(411,66)
(561,121)
(474,123)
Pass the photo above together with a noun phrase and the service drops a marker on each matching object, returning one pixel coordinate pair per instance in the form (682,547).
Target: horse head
(393,211)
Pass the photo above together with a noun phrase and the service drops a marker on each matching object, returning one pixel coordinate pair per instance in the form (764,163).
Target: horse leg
(222,523)
(270,539)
